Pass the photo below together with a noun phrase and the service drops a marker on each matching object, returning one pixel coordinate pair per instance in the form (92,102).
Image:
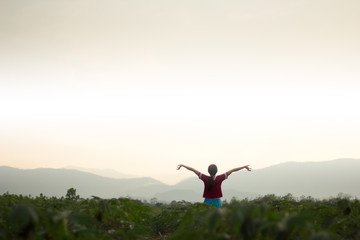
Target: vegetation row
(267,217)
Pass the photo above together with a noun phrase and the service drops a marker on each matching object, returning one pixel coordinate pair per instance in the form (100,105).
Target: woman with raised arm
(212,183)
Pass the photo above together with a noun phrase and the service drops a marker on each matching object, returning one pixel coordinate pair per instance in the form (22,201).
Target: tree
(71,194)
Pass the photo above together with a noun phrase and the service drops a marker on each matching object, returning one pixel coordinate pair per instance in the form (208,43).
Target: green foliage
(268,217)
(71,194)
(168,218)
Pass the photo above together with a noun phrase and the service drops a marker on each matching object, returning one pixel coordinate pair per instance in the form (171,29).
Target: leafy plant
(268,217)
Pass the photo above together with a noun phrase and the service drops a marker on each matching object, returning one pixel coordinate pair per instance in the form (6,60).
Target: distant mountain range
(102,172)
(316,179)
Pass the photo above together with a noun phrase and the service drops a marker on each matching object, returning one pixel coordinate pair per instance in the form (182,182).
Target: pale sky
(140,86)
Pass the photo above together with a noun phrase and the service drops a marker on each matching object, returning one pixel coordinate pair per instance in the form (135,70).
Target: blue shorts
(215,202)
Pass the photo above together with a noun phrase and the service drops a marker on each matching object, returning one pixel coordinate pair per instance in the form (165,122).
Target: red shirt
(215,191)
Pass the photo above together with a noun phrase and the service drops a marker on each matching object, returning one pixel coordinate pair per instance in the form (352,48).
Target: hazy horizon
(142,86)
(310,179)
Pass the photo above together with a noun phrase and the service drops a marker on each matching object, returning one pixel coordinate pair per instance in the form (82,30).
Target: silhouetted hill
(110,173)
(55,182)
(316,179)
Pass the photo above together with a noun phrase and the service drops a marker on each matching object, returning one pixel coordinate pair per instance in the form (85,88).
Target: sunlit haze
(141,86)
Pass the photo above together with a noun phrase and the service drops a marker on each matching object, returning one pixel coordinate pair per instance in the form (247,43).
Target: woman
(212,183)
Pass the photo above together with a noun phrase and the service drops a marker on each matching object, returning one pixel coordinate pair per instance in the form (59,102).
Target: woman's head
(212,169)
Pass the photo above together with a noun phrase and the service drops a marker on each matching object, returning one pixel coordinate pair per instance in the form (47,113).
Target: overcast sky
(140,86)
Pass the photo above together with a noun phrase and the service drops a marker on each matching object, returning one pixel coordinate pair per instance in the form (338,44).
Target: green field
(268,217)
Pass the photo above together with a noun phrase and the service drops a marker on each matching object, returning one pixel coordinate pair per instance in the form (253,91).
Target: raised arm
(237,169)
(188,168)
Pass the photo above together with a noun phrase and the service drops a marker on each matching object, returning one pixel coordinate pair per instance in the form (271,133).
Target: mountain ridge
(102,172)
(316,179)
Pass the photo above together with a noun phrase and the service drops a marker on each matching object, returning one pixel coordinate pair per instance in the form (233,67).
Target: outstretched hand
(179,166)
(188,168)
(247,167)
